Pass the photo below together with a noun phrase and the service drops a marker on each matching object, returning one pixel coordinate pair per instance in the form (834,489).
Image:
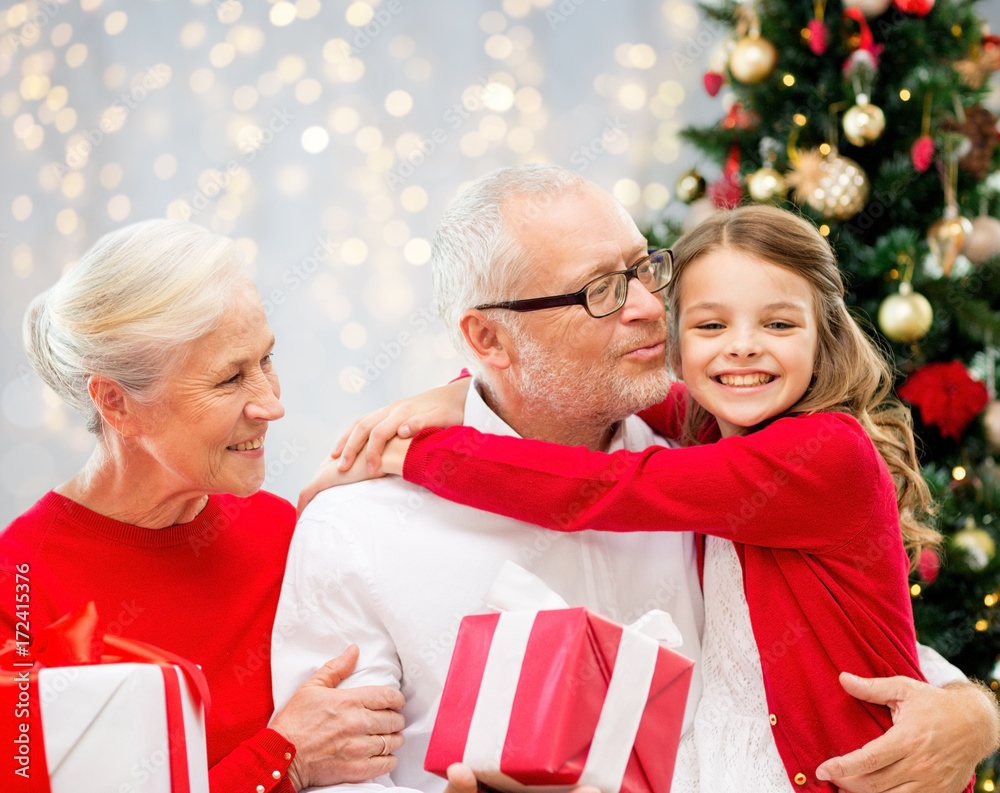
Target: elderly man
(394,568)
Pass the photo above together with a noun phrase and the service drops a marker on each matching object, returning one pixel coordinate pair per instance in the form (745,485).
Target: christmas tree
(865,116)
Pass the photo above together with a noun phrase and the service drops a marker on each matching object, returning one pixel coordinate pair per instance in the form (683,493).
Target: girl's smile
(744,379)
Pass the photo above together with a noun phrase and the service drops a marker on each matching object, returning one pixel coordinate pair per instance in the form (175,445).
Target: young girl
(800,470)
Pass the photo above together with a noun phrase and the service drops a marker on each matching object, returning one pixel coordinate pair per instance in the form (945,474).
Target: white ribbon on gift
(518,595)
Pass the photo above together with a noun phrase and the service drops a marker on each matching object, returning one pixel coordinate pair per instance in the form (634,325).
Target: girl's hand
(440,407)
(330,473)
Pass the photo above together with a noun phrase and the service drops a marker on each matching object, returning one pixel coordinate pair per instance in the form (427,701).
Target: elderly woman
(159,338)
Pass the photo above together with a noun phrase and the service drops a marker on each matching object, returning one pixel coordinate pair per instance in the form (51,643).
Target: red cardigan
(206,590)
(811,508)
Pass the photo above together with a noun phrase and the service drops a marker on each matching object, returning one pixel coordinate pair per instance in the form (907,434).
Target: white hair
(476,257)
(126,309)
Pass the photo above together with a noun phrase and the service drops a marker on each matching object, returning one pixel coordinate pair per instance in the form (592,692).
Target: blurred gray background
(327,137)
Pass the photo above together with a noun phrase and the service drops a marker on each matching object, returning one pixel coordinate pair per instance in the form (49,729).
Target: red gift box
(102,698)
(546,700)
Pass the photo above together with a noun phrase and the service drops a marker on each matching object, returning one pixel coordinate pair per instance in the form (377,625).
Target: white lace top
(730,747)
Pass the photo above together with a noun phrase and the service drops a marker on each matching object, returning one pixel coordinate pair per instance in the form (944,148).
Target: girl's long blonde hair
(851,374)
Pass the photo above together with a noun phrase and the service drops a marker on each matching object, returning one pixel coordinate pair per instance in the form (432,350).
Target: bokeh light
(327,139)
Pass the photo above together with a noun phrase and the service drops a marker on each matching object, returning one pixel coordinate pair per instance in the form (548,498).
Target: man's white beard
(584,395)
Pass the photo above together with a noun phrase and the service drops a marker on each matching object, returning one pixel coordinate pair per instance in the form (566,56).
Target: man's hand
(462,780)
(937,738)
(338,733)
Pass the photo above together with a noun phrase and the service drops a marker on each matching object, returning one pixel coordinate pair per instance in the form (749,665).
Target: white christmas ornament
(870,8)
(700,209)
(983,242)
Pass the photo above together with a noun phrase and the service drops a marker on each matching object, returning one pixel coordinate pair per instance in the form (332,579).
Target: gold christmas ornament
(984,60)
(767,184)
(752,59)
(905,317)
(870,8)
(947,236)
(835,186)
(983,242)
(690,186)
(864,123)
(991,425)
(977,544)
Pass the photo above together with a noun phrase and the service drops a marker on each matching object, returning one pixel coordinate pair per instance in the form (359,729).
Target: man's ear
(116,407)
(489,342)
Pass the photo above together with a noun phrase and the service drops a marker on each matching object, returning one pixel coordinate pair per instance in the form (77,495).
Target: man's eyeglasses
(606,293)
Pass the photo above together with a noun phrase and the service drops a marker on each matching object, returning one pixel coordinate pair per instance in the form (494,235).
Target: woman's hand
(440,407)
(340,735)
(331,475)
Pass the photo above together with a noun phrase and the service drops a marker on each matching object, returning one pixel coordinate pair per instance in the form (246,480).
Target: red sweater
(811,508)
(206,590)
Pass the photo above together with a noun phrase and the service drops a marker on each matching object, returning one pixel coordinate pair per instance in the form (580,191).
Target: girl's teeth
(745,379)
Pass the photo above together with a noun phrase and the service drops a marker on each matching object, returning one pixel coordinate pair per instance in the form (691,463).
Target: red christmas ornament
(819,36)
(739,117)
(947,397)
(928,565)
(922,153)
(919,7)
(868,52)
(713,82)
(726,192)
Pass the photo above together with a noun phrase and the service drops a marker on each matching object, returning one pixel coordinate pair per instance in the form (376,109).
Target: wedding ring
(385,747)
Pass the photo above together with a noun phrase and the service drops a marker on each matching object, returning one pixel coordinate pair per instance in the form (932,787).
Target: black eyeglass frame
(580,298)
